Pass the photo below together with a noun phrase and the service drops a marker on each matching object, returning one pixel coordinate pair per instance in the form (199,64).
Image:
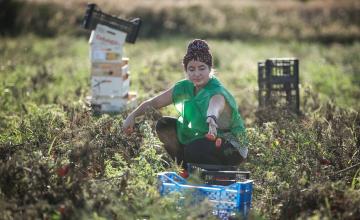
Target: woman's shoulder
(183,84)
(182,90)
(217,88)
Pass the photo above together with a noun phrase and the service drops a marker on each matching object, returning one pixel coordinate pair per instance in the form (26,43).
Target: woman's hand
(157,102)
(128,124)
(211,135)
(212,126)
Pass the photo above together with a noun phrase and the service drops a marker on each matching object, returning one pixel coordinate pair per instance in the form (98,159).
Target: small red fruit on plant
(324,161)
(184,174)
(61,209)
(62,171)
(128,131)
(218,143)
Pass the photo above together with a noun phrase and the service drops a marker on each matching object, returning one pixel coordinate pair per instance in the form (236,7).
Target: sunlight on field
(328,70)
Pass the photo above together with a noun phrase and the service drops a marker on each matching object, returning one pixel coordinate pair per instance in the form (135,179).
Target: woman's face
(198,73)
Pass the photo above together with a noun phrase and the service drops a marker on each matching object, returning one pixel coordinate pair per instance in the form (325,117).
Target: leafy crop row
(59,161)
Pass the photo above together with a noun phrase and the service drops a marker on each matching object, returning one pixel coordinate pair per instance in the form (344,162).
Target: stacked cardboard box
(110,82)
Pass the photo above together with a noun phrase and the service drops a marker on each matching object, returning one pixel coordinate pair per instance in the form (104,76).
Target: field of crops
(60,161)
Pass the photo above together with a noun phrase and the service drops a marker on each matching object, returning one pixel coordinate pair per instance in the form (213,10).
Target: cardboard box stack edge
(110,81)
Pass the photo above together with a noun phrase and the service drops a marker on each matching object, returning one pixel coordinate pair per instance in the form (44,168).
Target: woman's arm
(216,107)
(159,101)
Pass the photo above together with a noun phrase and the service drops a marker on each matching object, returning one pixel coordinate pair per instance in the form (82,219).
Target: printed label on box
(107,36)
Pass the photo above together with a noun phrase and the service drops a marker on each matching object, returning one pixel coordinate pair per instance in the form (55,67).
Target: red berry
(62,171)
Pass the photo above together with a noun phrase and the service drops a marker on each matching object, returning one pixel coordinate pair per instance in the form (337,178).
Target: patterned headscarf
(198,50)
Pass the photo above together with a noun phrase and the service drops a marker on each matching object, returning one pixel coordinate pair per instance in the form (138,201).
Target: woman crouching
(209,129)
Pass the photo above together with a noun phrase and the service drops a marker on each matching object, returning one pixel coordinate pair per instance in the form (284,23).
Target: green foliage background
(298,163)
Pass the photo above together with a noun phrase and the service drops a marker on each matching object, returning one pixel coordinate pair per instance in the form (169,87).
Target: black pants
(201,151)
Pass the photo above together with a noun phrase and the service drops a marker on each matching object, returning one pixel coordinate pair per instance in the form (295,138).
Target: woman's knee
(166,130)
(234,158)
(165,123)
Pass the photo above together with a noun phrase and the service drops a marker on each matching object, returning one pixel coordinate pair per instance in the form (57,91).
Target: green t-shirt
(192,125)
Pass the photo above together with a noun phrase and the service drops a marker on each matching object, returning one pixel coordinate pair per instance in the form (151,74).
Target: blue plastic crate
(225,200)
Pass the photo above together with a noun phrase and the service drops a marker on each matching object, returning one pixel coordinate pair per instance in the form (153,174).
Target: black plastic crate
(94,16)
(278,80)
(218,174)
